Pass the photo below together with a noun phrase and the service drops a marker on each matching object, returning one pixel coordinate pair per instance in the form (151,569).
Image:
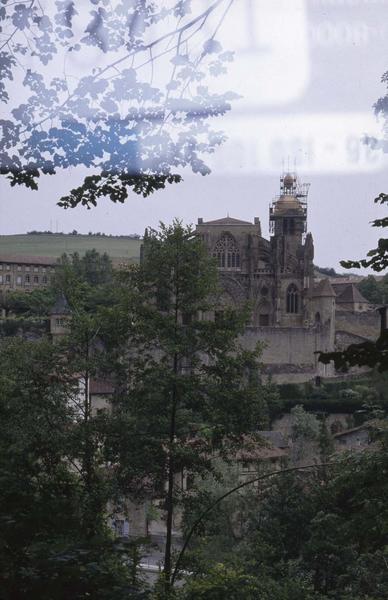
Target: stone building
(290,312)
(349,298)
(23,272)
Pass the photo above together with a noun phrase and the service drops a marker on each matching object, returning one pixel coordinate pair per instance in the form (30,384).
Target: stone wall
(289,352)
(366,324)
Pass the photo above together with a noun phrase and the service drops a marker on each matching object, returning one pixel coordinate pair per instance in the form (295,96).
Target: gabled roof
(350,295)
(323,288)
(227,221)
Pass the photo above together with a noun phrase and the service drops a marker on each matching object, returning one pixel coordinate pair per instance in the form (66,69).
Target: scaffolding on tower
(293,195)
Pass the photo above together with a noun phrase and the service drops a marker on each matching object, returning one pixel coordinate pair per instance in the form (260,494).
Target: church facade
(293,315)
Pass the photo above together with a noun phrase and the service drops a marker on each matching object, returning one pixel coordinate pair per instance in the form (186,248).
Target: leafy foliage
(184,381)
(378,260)
(135,120)
(376,291)
(369,353)
(316,535)
(37,303)
(46,550)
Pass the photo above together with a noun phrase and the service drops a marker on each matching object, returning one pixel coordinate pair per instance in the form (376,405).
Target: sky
(308,73)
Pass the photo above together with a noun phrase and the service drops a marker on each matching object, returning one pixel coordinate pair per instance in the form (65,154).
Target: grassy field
(55,245)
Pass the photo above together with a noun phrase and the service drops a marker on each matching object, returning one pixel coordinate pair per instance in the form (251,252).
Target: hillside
(56,244)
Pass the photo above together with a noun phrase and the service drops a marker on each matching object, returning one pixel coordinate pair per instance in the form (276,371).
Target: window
(36,269)
(19,280)
(27,268)
(219,316)
(288,226)
(27,279)
(249,466)
(36,279)
(186,318)
(8,267)
(121,528)
(44,279)
(227,252)
(1,279)
(59,322)
(19,268)
(292,299)
(1,267)
(262,318)
(8,279)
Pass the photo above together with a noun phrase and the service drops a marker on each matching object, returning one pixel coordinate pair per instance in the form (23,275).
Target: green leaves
(371,354)
(379,256)
(135,135)
(115,187)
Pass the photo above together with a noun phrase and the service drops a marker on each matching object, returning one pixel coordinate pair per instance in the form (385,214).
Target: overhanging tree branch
(198,521)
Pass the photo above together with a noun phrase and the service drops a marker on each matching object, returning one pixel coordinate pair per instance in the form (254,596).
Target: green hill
(56,244)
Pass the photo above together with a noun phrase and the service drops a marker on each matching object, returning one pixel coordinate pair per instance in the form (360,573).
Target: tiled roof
(264,445)
(101,386)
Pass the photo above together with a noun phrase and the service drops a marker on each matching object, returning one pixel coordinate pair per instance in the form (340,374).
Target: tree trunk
(170,487)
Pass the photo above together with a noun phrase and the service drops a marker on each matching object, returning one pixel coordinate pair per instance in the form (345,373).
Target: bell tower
(288,212)
(288,223)
(288,218)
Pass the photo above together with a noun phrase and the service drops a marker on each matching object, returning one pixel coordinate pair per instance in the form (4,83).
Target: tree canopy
(369,353)
(123,89)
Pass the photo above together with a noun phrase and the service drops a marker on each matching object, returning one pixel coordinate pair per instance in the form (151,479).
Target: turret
(60,316)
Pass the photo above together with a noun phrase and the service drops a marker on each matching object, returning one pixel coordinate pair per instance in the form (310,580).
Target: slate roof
(350,295)
(323,288)
(61,306)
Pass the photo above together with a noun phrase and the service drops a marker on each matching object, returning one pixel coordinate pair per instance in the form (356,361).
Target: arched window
(227,252)
(292,299)
(264,314)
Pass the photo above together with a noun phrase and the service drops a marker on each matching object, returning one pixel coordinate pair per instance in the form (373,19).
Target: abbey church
(295,310)
(293,313)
